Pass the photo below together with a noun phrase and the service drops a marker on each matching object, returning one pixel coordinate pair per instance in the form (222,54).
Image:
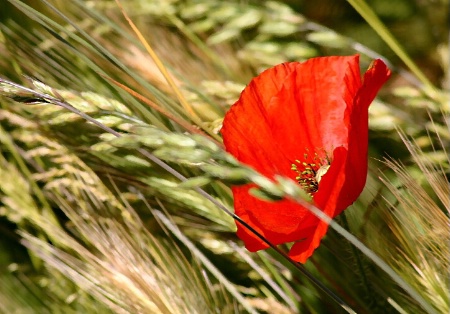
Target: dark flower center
(310,173)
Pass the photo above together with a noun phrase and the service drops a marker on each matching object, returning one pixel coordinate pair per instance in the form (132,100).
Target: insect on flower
(309,122)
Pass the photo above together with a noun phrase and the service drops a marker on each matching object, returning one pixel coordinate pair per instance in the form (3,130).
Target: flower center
(310,173)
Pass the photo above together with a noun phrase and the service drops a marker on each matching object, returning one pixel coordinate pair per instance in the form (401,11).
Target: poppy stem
(369,293)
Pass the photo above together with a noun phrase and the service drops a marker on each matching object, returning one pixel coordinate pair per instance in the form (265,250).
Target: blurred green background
(88,225)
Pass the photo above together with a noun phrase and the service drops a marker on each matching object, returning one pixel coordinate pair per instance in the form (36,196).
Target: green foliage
(135,216)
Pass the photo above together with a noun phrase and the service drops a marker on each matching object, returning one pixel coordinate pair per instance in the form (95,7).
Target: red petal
(356,169)
(249,137)
(301,251)
(377,74)
(309,110)
(246,127)
(280,222)
(291,109)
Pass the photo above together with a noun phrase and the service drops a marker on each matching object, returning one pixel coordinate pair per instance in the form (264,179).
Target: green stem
(357,258)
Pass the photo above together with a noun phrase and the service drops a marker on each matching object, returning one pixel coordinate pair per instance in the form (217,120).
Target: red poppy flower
(309,122)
